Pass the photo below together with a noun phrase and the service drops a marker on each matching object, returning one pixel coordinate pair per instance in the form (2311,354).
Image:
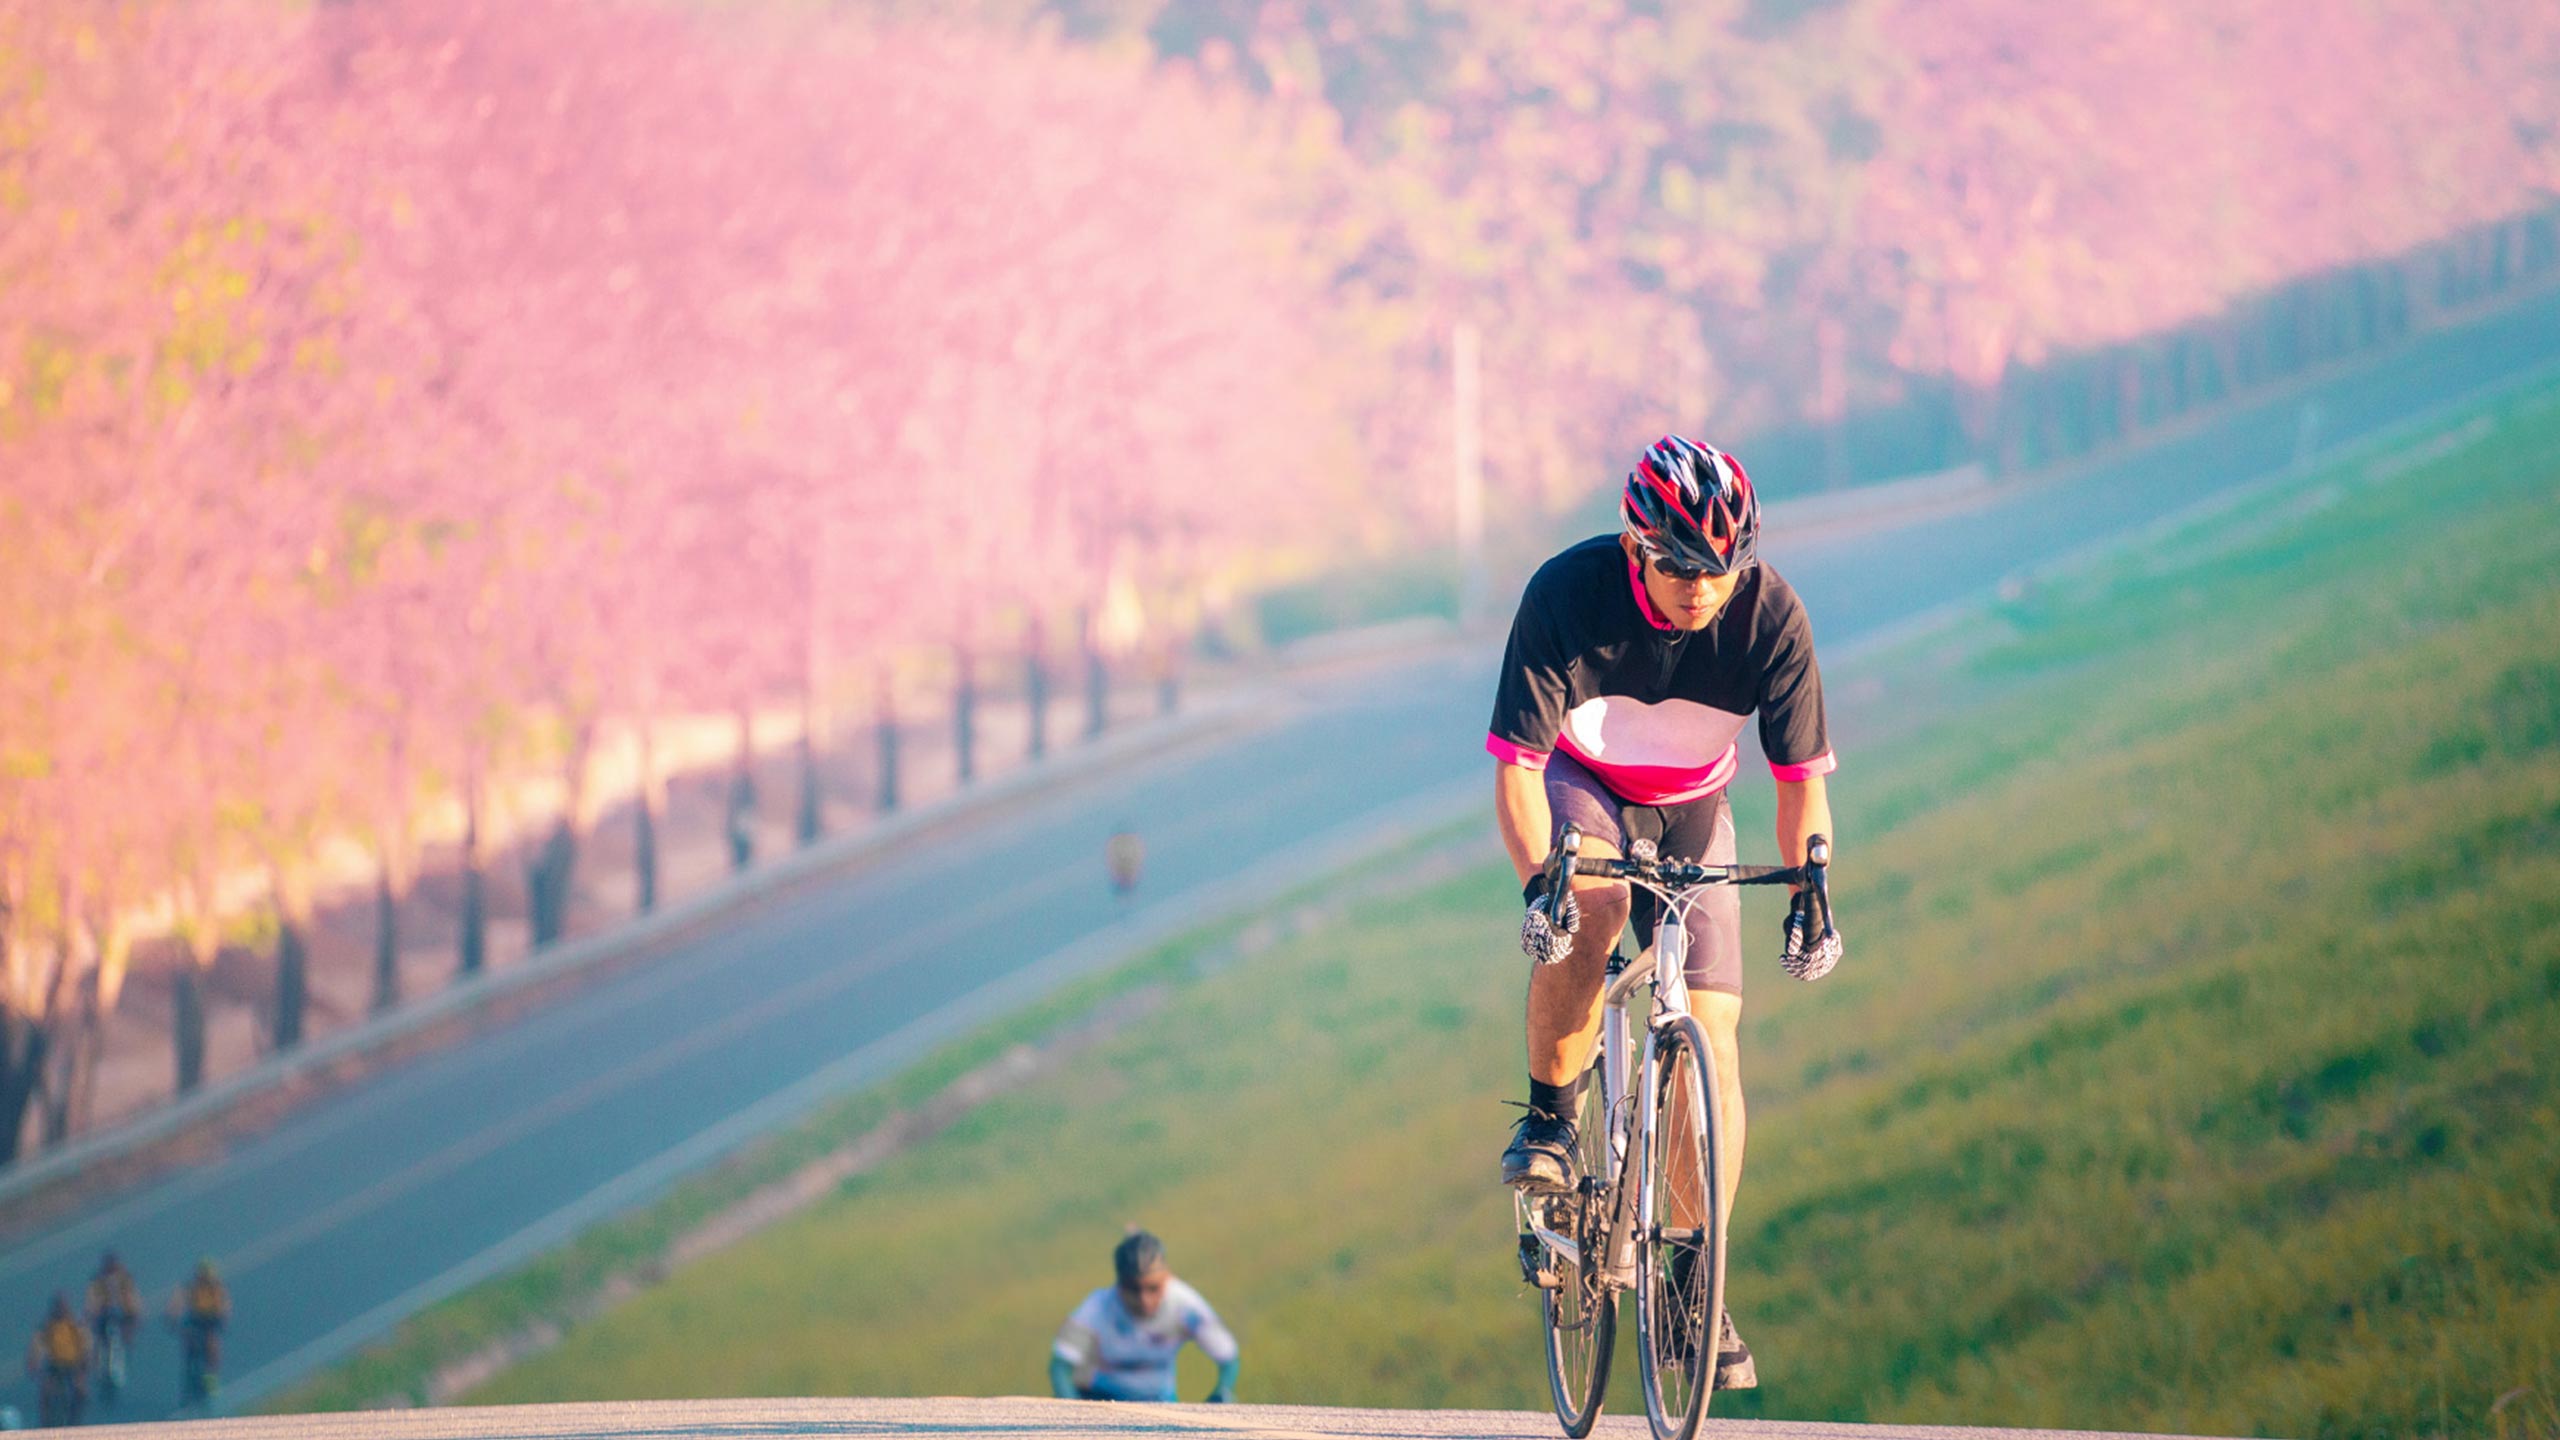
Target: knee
(1604,909)
(1720,1015)
(1604,914)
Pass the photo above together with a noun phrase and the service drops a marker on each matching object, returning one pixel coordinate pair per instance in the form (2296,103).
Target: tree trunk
(546,882)
(74,1064)
(24,1044)
(817,728)
(964,713)
(741,813)
(473,942)
(1035,692)
(809,820)
(553,871)
(644,820)
(1169,679)
(58,1078)
(1097,691)
(884,724)
(293,960)
(386,939)
(188,1018)
(809,825)
(293,985)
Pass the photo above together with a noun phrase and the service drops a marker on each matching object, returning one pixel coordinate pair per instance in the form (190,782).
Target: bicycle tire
(1580,1313)
(1677,1326)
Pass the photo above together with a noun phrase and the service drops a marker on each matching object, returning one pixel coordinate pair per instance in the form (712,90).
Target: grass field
(2191,1067)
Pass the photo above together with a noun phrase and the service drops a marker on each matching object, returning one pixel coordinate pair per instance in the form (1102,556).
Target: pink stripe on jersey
(1658,784)
(1822,764)
(1644,602)
(1510,754)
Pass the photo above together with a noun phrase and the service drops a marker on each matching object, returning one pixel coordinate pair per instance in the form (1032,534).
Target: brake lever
(1561,860)
(1817,876)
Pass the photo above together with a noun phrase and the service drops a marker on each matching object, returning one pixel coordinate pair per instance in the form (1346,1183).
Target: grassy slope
(2207,1094)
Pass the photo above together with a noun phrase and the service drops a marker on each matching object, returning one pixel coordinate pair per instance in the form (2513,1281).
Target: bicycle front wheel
(1680,1260)
(1578,1307)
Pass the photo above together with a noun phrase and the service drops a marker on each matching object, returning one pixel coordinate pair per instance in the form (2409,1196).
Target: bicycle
(61,1394)
(1645,1212)
(200,1371)
(110,1352)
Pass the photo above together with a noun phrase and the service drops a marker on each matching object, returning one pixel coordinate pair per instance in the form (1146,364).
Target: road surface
(999,1420)
(365,1206)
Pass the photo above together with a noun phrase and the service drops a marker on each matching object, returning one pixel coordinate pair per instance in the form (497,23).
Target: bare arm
(1520,812)
(1804,811)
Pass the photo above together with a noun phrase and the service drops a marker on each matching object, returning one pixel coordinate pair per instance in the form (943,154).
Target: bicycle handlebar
(1681,874)
(1678,874)
(1812,904)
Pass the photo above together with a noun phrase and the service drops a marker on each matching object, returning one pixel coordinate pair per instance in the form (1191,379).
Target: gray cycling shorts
(1700,830)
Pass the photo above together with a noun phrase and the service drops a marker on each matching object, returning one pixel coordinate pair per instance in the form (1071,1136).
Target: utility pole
(1466,497)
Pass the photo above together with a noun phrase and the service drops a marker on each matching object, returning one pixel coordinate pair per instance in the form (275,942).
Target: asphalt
(363,1207)
(1000,1419)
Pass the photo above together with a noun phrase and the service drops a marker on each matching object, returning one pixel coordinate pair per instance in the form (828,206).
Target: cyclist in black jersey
(1634,662)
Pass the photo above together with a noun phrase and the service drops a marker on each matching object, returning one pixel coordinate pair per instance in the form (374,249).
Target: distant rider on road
(58,1358)
(115,1310)
(201,1309)
(1634,662)
(1120,1343)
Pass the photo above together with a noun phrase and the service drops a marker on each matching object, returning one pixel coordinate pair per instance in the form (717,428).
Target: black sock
(1562,1101)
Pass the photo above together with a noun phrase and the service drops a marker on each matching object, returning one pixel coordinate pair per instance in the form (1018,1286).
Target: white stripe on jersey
(1620,730)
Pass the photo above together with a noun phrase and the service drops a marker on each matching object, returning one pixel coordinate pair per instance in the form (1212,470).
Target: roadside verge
(36,1190)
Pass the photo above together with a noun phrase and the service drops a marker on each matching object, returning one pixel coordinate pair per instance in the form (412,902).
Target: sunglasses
(1686,574)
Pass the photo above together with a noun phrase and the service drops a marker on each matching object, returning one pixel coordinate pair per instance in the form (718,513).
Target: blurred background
(473,473)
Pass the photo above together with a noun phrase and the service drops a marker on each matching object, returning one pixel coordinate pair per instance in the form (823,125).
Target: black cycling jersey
(1593,669)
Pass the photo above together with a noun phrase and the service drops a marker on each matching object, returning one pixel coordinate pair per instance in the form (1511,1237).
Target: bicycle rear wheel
(1579,1310)
(1680,1257)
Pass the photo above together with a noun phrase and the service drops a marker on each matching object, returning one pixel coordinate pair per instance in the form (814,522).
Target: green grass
(2190,1068)
(557,1282)
(556,1286)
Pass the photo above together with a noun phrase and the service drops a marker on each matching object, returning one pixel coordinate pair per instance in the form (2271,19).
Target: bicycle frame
(1629,1174)
(1664,965)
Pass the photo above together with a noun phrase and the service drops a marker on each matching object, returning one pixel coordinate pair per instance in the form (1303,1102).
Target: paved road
(1002,1420)
(363,1207)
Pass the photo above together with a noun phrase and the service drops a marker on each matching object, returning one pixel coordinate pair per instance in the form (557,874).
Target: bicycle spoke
(1679,1304)
(1579,1311)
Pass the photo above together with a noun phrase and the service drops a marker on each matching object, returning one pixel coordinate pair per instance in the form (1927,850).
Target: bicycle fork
(1629,1080)
(1631,1158)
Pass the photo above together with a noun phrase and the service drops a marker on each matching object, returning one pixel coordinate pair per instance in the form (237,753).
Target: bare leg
(1720,1015)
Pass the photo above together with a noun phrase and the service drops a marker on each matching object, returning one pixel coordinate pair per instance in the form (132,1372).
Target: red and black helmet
(1691,505)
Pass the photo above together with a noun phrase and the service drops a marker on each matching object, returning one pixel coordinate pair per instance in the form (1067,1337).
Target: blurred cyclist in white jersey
(1120,1343)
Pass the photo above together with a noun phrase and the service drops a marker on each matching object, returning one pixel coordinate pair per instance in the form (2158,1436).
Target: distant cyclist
(1124,855)
(115,1309)
(1634,662)
(1120,1343)
(59,1360)
(201,1310)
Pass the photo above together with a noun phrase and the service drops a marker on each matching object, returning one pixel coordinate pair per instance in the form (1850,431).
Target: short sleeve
(1076,1343)
(1210,1333)
(1530,701)
(1794,732)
